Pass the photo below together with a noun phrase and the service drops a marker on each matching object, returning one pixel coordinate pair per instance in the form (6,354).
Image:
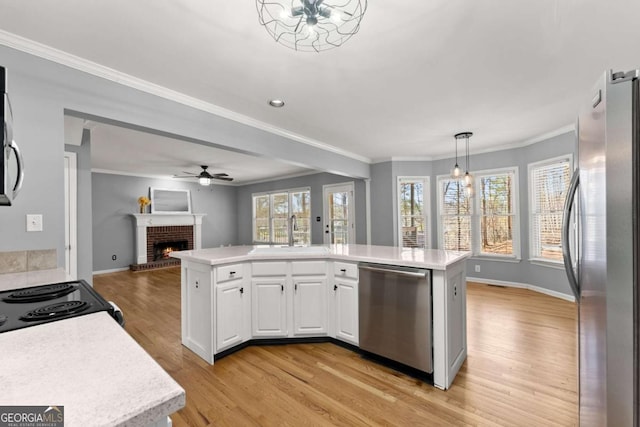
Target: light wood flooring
(520,370)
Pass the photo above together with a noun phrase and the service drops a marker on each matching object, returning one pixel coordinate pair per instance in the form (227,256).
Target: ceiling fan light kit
(311,25)
(204,177)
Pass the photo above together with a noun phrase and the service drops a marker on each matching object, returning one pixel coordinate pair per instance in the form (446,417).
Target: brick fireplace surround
(160,228)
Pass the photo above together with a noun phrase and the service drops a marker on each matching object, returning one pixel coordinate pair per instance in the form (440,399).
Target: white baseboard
(113,270)
(539,289)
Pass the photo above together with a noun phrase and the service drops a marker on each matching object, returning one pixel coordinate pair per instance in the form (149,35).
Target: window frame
(534,258)
(440,195)
(289,192)
(476,217)
(476,223)
(426,209)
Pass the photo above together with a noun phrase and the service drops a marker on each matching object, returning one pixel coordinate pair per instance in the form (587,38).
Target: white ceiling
(116,149)
(416,73)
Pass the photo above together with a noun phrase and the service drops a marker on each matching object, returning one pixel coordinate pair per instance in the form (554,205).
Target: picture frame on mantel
(170,201)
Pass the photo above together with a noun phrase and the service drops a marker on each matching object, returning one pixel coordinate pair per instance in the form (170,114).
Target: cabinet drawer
(228,272)
(269,269)
(308,268)
(345,269)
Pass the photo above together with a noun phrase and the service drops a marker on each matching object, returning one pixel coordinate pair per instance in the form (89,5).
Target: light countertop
(32,278)
(88,364)
(434,259)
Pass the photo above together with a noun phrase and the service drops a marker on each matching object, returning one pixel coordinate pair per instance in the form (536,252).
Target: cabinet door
(310,306)
(199,321)
(230,314)
(346,310)
(269,314)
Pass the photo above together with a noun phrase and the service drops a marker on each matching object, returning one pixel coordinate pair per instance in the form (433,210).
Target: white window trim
(475,240)
(269,193)
(439,194)
(427,207)
(545,262)
(475,214)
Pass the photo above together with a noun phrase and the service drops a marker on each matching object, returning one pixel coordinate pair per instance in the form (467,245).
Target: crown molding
(43,51)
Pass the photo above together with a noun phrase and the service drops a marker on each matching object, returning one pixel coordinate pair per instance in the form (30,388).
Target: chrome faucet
(293,226)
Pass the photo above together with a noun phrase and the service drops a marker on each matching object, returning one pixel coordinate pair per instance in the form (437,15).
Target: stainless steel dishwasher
(395,314)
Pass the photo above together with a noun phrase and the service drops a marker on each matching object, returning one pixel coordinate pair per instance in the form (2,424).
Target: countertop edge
(203,258)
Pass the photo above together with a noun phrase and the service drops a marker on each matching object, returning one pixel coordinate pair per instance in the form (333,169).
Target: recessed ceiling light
(277,103)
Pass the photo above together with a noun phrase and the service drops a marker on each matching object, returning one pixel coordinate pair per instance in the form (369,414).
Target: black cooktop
(21,308)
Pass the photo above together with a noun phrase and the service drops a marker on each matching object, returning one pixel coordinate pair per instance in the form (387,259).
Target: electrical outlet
(34,222)
(477,268)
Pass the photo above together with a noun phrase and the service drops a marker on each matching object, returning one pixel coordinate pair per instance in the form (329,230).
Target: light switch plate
(34,222)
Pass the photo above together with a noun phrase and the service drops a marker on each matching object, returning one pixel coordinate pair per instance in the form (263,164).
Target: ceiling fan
(204,177)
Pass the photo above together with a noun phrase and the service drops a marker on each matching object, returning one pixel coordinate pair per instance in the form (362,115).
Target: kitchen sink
(275,250)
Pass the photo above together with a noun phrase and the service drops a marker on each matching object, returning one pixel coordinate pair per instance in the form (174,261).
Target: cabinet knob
(282,288)
(295,287)
(335,287)
(344,270)
(241,290)
(231,273)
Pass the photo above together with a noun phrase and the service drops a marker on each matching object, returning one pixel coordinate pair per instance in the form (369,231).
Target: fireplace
(155,234)
(162,250)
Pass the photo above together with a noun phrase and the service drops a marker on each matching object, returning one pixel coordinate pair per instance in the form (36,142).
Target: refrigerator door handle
(566,219)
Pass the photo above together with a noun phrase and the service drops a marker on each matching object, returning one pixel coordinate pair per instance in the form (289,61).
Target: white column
(141,243)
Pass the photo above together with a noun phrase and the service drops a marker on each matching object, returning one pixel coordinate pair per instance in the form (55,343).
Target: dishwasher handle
(417,275)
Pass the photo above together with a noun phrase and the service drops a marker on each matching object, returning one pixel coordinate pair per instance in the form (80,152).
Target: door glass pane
(339,217)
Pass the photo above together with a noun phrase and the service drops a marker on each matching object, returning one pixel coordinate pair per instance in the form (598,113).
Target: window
(548,185)
(455,215)
(413,209)
(271,214)
(485,224)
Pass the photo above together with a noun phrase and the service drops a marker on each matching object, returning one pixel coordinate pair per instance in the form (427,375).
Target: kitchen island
(234,296)
(87,364)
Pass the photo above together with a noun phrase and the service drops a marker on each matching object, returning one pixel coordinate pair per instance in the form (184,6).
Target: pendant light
(456,171)
(468,178)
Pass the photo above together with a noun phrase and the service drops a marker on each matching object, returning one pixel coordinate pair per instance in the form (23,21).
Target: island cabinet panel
(233,316)
(197,313)
(346,309)
(310,306)
(269,307)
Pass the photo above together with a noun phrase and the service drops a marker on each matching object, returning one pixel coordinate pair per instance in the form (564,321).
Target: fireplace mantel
(161,220)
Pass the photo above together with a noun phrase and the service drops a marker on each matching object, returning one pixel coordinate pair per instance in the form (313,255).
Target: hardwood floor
(520,370)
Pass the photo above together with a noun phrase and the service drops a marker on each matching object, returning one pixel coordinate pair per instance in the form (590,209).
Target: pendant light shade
(311,25)
(456,171)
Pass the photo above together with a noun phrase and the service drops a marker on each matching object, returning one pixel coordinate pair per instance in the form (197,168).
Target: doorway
(71,214)
(339,213)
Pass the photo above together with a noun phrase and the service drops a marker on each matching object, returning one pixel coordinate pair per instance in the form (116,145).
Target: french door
(339,214)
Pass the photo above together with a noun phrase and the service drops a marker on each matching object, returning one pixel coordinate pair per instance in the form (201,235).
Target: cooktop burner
(21,308)
(54,311)
(40,293)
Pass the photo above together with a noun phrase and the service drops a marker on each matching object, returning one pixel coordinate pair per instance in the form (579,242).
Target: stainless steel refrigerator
(601,210)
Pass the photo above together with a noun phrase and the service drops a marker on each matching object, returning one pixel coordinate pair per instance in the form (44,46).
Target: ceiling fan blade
(190,173)
(185,176)
(220,174)
(222,178)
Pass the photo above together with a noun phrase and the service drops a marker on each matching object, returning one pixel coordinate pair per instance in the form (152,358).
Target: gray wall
(315,182)
(42,91)
(115,199)
(85,220)
(382,204)
(524,271)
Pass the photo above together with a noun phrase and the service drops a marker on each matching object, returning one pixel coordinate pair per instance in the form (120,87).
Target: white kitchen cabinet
(310,306)
(197,310)
(269,307)
(346,309)
(233,305)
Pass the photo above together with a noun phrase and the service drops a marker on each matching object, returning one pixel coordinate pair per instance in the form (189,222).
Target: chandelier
(311,25)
